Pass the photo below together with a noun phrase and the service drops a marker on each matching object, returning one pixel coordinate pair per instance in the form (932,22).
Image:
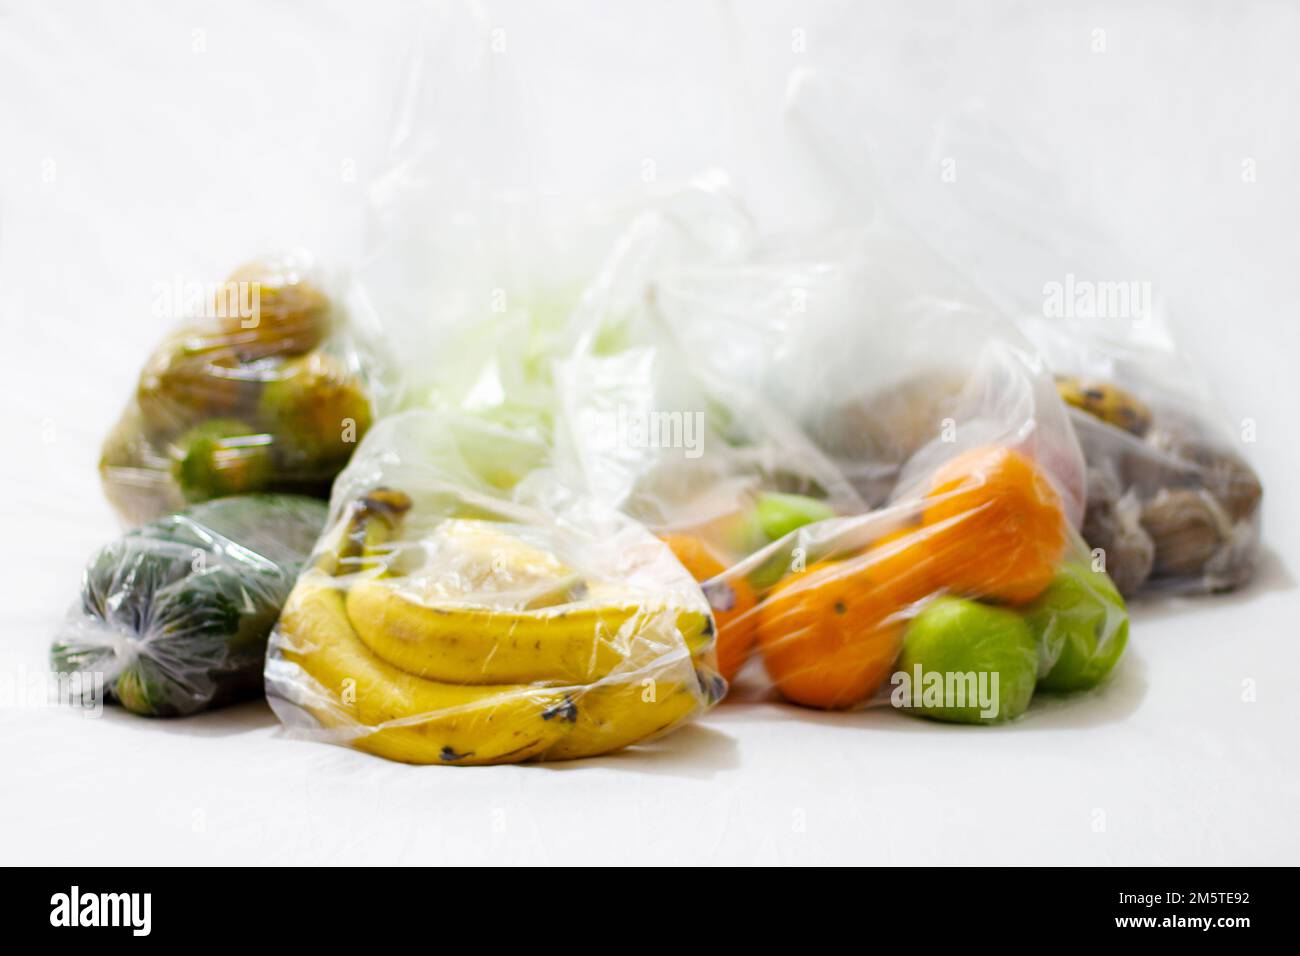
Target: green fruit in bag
(317,410)
(775,515)
(175,614)
(966,662)
(1081,625)
(779,513)
(222,457)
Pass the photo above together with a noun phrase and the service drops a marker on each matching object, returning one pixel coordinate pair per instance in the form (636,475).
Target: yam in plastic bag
(464,607)
(264,388)
(175,614)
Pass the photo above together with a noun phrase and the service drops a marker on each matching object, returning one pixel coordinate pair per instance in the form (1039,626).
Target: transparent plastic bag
(174,615)
(788,425)
(974,576)
(692,324)
(265,387)
(877,488)
(1173,506)
(469,605)
(464,607)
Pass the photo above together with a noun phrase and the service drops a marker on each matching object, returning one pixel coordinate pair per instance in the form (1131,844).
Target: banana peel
(416,720)
(447,683)
(480,645)
(613,716)
(420,721)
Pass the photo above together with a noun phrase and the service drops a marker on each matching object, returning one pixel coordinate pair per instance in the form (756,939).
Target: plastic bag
(175,614)
(465,607)
(879,490)
(264,388)
(437,531)
(811,438)
(1172,504)
(1172,507)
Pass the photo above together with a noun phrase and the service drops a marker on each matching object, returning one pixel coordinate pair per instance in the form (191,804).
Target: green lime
(1081,626)
(779,513)
(966,662)
(775,515)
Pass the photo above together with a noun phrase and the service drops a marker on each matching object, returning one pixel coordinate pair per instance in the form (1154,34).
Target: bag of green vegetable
(175,614)
(264,387)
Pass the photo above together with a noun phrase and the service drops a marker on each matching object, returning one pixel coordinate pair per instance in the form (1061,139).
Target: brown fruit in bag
(1112,523)
(1188,528)
(1233,483)
(290,316)
(871,436)
(194,376)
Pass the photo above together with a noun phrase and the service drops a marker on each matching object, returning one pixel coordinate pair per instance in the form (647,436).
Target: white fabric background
(140,141)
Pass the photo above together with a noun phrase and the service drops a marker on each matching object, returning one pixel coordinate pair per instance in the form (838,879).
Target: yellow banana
(613,716)
(475,645)
(409,718)
(449,683)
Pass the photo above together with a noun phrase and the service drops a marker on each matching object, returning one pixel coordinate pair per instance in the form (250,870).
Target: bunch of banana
(421,668)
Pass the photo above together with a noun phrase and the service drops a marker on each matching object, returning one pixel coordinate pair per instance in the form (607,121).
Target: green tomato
(1081,625)
(956,650)
(778,513)
(775,515)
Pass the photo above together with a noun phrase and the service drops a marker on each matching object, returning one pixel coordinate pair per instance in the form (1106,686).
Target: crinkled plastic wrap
(871,476)
(174,615)
(464,607)
(971,578)
(877,488)
(1173,506)
(264,388)
(467,605)
(819,442)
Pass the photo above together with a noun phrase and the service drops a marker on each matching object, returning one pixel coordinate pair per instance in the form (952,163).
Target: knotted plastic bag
(173,616)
